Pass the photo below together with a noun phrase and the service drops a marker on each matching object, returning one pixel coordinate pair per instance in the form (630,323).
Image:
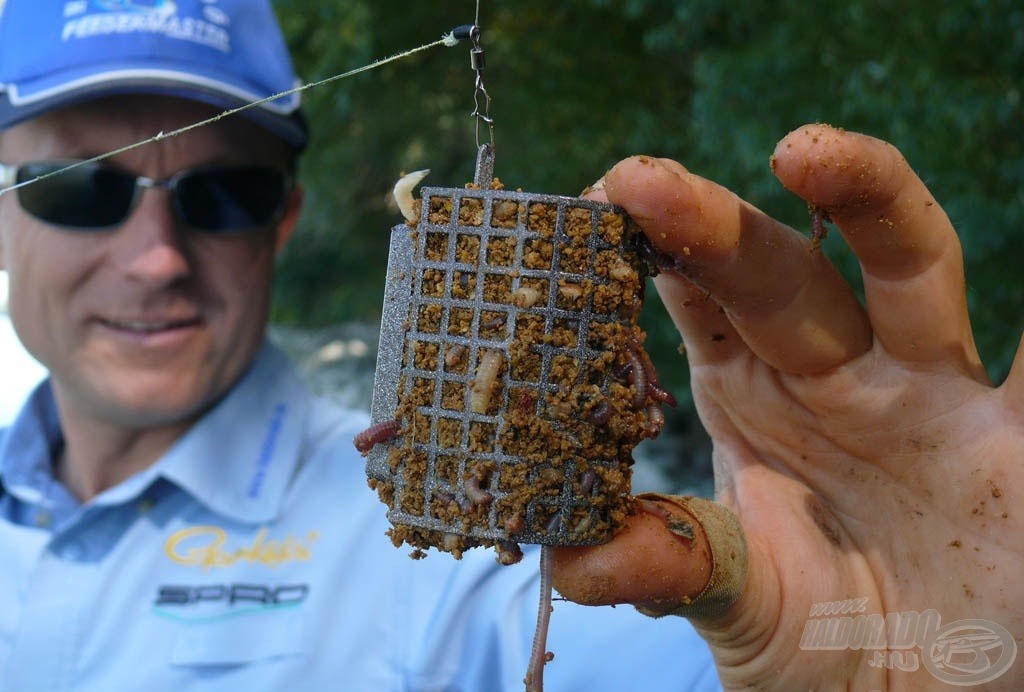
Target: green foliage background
(580,84)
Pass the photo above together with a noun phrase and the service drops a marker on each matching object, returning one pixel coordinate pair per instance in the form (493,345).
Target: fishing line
(450,39)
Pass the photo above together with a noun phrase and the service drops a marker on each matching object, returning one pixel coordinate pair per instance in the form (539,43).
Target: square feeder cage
(510,374)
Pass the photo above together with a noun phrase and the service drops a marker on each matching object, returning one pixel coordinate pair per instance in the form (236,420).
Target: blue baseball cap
(225,53)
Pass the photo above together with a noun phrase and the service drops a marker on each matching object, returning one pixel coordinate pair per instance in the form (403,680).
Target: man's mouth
(149,326)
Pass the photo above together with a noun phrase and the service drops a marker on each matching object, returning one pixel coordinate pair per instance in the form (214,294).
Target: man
(868,460)
(176,511)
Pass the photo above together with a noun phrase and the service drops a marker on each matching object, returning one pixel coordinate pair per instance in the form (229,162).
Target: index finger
(789,304)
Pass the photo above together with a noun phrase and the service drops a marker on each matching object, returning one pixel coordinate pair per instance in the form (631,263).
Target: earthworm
(635,306)
(645,360)
(587,481)
(819,217)
(403,193)
(375,434)
(483,384)
(526,402)
(600,414)
(675,524)
(494,323)
(660,395)
(621,372)
(554,523)
(656,260)
(538,654)
(639,377)
(654,389)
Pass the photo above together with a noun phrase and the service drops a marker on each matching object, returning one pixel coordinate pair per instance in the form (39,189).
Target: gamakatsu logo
(106,17)
(961,653)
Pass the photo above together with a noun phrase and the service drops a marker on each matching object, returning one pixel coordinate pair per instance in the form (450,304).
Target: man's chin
(153,414)
(160,404)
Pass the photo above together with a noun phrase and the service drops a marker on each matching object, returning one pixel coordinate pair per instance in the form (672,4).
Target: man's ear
(290,219)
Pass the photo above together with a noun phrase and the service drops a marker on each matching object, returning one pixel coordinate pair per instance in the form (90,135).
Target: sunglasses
(95,197)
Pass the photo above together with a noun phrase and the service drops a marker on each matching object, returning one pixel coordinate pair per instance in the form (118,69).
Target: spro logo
(211,602)
(85,19)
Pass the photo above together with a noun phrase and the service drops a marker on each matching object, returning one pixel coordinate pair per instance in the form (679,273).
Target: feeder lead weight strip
(484,175)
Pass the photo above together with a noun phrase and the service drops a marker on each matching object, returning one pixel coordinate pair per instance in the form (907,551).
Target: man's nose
(151,245)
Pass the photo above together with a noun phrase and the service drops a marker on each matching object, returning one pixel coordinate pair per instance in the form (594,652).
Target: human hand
(862,449)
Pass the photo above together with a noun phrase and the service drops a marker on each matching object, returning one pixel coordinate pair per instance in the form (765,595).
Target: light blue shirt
(253,556)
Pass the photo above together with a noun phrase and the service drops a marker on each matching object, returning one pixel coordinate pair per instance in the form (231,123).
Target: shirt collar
(30,444)
(239,458)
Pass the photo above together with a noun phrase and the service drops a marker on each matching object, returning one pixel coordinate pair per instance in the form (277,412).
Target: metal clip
(477,62)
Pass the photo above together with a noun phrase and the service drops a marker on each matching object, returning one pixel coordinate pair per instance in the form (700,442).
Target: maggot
(403,193)
(453,355)
(475,492)
(483,384)
(525,297)
(622,272)
(570,291)
(655,421)
(508,552)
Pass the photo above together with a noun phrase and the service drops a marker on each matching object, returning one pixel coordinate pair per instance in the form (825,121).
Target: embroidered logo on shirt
(207,547)
(267,451)
(212,602)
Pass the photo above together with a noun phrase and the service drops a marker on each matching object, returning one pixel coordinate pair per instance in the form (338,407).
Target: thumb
(676,555)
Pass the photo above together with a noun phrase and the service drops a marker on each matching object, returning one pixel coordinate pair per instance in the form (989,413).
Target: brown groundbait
(511,384)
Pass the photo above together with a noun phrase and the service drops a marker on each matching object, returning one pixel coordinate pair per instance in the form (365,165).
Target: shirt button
(43,519)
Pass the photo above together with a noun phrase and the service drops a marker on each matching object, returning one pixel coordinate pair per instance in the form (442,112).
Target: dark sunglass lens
(231,199)
(88,196)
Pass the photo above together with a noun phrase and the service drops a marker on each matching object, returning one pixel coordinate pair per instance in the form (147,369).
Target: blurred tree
(942,81)
(579,84)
